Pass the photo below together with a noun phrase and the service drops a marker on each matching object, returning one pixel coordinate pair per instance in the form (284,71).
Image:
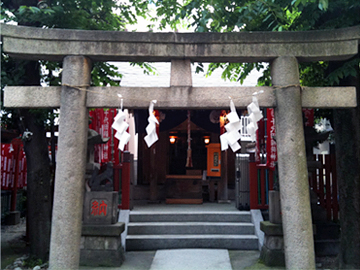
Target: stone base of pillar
(108,200)
(272,252)
(101,245)
(13,218)
(274,207)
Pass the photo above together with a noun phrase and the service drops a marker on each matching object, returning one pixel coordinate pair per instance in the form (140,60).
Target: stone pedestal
(100,207)
(274,207)
(101,245)
(13,218)
(272,252)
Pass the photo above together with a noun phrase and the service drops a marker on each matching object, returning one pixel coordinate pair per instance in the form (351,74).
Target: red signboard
(308,117)
(8,164)
(101,121)
(271,150)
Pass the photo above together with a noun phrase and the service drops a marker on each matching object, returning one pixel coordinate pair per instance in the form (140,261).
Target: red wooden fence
(13,165)
(13,161)
(323,181)
(261,181)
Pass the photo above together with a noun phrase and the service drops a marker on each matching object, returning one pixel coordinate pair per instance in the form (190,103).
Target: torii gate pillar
(293,176)
(71,164)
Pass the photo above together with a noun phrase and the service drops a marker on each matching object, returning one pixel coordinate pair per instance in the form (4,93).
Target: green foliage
(350,68)
(31,262)
(228,16)
(313,74)
(148,69)
(169,12)
(264,15)
(103,74)
(82,14)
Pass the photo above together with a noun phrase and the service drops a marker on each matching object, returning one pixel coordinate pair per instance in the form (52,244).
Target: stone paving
(13,247)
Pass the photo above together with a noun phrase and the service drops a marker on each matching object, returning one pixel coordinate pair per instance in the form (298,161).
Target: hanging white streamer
(254,115)
(151,136)
(121,126)
(232,135)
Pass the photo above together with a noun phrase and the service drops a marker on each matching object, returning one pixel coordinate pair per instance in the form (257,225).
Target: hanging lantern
(42,4)
(173,139)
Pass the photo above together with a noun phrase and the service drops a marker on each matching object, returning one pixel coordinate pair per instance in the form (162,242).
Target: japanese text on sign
(98,208)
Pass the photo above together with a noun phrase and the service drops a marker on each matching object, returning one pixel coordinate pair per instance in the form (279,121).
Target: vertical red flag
(271,150)
(309,117)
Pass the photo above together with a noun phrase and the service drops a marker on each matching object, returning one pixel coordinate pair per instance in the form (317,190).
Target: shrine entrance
(77,49)
(175,158)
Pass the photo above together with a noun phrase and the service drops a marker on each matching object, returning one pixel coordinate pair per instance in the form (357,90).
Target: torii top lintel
(54,44)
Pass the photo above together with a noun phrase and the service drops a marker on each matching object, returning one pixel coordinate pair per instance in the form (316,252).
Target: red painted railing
(13,165)
(323,182)
(261,181)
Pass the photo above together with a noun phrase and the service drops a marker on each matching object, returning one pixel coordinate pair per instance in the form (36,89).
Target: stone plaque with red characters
(100,207)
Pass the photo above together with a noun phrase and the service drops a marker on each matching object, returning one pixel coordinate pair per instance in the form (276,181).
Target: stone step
(326,231)
(139,216)
(143,228)
(329,247)
(155,242)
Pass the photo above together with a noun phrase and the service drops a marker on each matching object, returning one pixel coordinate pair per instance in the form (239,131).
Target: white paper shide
(232,134)
(254,115)
(151,136)
(121,126)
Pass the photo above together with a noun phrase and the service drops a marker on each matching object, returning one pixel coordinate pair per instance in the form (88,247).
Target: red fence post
(253,184)
(321,182)
(125,181)
(262,186)
(334,188)
(117,168)
(328,187)
(17,147)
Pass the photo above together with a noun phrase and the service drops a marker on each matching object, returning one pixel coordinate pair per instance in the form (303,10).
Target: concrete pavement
(144,260)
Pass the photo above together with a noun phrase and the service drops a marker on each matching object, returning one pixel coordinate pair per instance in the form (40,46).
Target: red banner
(308,117)
(257,147)
(271,150)
(260,140)
(101,121)
(8,164)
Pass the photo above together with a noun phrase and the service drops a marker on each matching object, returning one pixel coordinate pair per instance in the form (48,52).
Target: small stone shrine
(101,233)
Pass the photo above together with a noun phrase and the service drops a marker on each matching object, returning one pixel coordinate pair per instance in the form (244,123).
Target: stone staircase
(169,230)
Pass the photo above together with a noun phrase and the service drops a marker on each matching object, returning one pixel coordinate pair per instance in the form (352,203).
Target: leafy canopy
(265,15)
(68,14)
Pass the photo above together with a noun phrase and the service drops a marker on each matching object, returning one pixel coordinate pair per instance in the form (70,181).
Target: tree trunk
(347,145)
(38,188)
(39,198)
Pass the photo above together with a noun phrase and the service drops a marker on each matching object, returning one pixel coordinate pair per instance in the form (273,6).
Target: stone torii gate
(77,49)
